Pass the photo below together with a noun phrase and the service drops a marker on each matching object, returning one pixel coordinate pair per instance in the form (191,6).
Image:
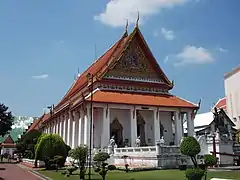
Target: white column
(70,118)
(156,125)
(73,130)
(54,126)
(56,131)
(105,128)
(87,126)
(60,126)
(81,127)
(133,126)
(178,127)
(190,124)
(77,131)
(65,124)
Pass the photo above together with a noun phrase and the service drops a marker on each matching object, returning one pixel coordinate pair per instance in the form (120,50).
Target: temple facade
(127,96)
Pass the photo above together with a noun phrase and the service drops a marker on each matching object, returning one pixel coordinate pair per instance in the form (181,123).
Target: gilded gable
(133,65)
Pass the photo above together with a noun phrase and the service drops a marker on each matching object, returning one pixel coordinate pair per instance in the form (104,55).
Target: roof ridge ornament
(126,26)
(137,19)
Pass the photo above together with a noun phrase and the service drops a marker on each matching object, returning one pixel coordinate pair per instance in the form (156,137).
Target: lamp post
(214,144)
(90,80)
(51,114)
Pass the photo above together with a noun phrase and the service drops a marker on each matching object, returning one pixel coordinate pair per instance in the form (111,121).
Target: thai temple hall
(127,94)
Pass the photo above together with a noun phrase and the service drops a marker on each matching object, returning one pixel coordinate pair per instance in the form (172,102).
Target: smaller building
(232,92)
(7,145)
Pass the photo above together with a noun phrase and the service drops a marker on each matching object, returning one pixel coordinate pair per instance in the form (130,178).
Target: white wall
(232,92)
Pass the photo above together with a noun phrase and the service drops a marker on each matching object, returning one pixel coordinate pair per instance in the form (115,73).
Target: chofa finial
(137,19)
(126,27)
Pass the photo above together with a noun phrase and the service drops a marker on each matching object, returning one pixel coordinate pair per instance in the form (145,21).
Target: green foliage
(112,167)
(190,147)
(6,120)
(31,137)
(101,166)
(49,146)
(80,154)
(194,174)
(101,157)
(210,160)
(30,140)
(71,169)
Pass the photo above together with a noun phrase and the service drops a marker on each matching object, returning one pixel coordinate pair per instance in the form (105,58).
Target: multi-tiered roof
(127,73)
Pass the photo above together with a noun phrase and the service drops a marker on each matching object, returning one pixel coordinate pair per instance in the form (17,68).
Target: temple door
(116,131)
(141,128)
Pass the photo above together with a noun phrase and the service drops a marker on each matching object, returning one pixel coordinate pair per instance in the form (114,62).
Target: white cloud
(193,55)
(117,11)
(168,34)
(166,59)
(223,50)
(42,76)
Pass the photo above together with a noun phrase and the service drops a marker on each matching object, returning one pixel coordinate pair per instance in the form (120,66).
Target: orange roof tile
(94,69)
(141,99)
(35,123)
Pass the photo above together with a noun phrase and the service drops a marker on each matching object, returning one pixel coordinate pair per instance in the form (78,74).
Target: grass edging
(40,175)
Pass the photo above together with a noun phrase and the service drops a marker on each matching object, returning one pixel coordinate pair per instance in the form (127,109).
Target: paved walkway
(14,172)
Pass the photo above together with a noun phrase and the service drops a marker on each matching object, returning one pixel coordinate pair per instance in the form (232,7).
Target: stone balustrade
(31,162)
(147,150)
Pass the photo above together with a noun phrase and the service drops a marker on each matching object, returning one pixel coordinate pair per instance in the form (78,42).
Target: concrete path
(14,172)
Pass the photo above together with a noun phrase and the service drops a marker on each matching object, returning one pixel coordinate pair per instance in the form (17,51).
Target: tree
(209,160)
(80,154)
(30,140)
(49,146)
(6,120)
(190,147)
(102,167)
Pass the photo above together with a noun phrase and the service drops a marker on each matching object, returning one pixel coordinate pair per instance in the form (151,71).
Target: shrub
(191,148)
(48,146)
(210,160)
(71,169)
(194,174)
(102,166)
(80,154)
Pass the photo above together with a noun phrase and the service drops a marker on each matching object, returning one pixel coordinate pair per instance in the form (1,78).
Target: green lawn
(151,175)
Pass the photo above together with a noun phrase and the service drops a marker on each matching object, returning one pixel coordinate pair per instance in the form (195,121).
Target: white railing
(169,150)
(133,150)
(32,162)
(148,150)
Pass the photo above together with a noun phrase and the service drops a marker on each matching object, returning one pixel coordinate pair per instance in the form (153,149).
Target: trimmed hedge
(194,174)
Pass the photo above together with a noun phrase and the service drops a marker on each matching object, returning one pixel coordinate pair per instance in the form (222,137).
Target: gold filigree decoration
(133,64)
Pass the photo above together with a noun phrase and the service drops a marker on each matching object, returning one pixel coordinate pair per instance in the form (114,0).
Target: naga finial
(137,19)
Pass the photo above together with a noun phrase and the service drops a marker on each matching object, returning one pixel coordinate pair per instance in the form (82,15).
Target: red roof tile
(94,69)
(141,99)
(35,123)
(221,104)
(8,140)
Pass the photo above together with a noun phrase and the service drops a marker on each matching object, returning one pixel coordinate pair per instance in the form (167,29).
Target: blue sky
(43,43)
